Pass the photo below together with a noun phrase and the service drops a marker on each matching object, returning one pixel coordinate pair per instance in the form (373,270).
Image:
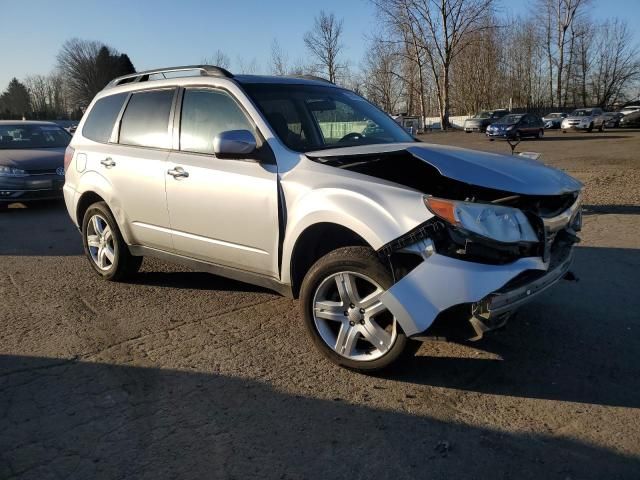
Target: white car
(584,119)
(306,188)
(630,109)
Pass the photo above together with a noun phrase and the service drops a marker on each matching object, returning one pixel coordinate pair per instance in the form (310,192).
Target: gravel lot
(185,375)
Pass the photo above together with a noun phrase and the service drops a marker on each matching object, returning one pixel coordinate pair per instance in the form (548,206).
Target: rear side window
(205,114)
(102,116)
(145,121)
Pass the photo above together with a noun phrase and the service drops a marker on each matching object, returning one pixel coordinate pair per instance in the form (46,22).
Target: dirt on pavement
(180,374)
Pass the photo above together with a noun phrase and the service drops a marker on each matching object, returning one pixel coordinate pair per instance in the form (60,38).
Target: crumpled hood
(33,158)
(509,173)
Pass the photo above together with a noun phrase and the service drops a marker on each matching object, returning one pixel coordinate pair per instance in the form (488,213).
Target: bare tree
(324,44)
(249,67)
(444,28)
(279,59)
(381,75)
(617,62)
(88,66)
(219,59)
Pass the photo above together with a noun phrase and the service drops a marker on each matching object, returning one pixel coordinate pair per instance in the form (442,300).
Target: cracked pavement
(181,374)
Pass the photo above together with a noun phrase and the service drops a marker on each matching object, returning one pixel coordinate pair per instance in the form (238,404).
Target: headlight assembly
(497,222)
(6,171)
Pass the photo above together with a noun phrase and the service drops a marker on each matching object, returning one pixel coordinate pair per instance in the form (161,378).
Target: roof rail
(203,70)
(311,77)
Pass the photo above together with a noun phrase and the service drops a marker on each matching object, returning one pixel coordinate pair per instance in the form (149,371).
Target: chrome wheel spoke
(346,340)
(376,335)
(93,241)
(106,233)
(371,299)
(97,228)
(347,289)
(108,253)
(374,309)
(330,310)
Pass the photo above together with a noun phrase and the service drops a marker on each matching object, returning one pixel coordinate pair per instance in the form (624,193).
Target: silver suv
(305,188)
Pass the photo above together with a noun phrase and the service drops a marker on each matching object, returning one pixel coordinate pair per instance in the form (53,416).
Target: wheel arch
(314,242)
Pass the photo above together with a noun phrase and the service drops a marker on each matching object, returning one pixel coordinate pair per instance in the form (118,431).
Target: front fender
(379,214)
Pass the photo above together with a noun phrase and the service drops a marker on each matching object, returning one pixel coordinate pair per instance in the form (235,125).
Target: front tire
(104,246)
(602,127)
(344,316)
(540,134)
(590,129)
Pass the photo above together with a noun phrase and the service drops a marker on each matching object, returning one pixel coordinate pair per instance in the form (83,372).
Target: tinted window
(102,116)
(26,135)
(205,114)
(146,119)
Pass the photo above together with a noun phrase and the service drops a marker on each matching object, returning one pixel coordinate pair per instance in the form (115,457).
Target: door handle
(108,162)
(178,172)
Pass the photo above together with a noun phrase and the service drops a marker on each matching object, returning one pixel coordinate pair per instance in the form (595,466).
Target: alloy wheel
(351,319)
(100,242)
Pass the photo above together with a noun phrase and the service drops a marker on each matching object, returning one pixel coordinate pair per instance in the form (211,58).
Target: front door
(224,211)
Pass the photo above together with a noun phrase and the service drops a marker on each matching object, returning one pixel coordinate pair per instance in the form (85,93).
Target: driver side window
(205,114)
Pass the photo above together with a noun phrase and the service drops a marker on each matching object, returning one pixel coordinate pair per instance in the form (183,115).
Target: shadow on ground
(89,420)
(611,209)
(575,343)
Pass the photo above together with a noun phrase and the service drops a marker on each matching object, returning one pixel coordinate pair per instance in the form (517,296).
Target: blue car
(515,126)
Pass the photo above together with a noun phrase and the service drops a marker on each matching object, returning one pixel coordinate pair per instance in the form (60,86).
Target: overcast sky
(178,32)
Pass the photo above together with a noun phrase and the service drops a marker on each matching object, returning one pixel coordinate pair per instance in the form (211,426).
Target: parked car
(380,236)
(31,160)
(584,119)
(515,126)
(631,120)
(612,119)
(630,109)
(553,120)
(480,121)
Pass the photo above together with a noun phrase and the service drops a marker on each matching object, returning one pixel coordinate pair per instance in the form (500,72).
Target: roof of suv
(199,71)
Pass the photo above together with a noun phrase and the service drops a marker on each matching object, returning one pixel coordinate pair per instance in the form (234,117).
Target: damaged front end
(502,232)
(452,282)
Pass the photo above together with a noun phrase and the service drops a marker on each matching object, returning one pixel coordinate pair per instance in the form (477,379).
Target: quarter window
(205,114)
(102,116)
(146,119)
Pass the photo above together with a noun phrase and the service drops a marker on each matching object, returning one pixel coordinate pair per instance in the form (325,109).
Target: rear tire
(540,134)
(104,246)
(349,280)
(602,127)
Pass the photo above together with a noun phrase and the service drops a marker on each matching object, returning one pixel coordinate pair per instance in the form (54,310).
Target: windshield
(25,136)
(311,117)
(482,115)
(554,115)
(509,119)
(581,113)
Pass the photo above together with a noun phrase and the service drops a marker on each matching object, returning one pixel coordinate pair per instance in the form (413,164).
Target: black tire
(590,129)
(540,134)
(602,127)
(362,260)
(124,264)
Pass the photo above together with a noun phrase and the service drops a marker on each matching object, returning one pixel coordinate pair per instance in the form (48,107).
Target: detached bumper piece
(494,310)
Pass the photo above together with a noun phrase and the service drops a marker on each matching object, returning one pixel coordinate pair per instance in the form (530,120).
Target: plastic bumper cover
(441,282)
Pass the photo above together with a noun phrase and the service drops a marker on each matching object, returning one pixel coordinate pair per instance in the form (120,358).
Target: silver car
(584,119)
(306,188)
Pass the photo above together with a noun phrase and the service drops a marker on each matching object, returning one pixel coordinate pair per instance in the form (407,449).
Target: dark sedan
(516,126)
(480,121)
(612,119)
(31,160)
(630,120)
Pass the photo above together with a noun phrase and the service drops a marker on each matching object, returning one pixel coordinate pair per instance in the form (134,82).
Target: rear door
(223,211)
(134,163)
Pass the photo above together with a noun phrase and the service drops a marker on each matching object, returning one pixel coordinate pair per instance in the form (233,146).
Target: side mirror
(234,144)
